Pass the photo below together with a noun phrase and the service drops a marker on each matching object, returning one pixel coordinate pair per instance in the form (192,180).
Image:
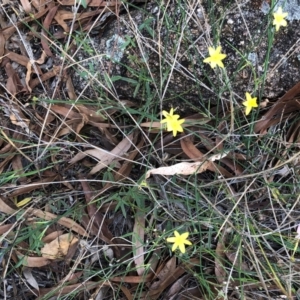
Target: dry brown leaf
(91,113)
(10,30)
(154,260)
(209,144)
(22,60)
(2,45)
(62,17)
(31,187)
(124,171)
(36,81)
(126,292)
(116,153)
(26,6)
(32,262)
(5,162)
(65,111)
(30,279)
(164,274)
(97,219)
(70,88)
(183,168)
(17,118)
(64,290)
(59,18)
(59,247)
(30,69)
(42,59)
(38,4)
(47,119)
(5,208)
(133,279)
(96,3)
(240,265)
(192,152)
(190,149)
(74,125)
(219,261)
(13,84)
(18,167)
(46,25)
(92,208)
(5,228)
(288,104)
(67,222)
(168,277)
(293,134)
(195,293)
(138,234)
(51,236)
(177,286)
(104,156)
(72,277)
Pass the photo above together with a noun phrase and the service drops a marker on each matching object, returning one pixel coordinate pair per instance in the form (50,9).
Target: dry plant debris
(91,188)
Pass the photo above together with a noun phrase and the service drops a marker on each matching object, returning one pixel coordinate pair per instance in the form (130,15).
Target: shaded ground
(100,89)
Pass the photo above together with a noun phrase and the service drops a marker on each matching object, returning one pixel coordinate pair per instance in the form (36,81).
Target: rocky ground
(150,61)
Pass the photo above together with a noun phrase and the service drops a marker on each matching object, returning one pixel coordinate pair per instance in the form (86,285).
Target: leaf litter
(58,125)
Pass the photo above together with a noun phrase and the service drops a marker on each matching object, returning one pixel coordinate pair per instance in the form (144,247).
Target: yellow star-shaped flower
(173,124)
(179,240)
(215,58)
(279,18)
(249,103)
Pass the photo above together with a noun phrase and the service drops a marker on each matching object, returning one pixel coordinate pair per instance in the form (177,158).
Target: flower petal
(220,64)
(182,248)
(248,110)
(165,113)
(211,51)
(185,235)
(174,247)
(171,239)
(187,242)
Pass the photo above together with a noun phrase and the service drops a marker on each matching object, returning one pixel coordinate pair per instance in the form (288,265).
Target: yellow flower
(215,58)
(173,124)
(279,18)
(249,103)
(179,240)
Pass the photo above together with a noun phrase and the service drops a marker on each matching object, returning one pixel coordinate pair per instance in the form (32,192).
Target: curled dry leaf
(114,154)
(29,68)
(196,155)
(104,156)
(59,247)
(183,168)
